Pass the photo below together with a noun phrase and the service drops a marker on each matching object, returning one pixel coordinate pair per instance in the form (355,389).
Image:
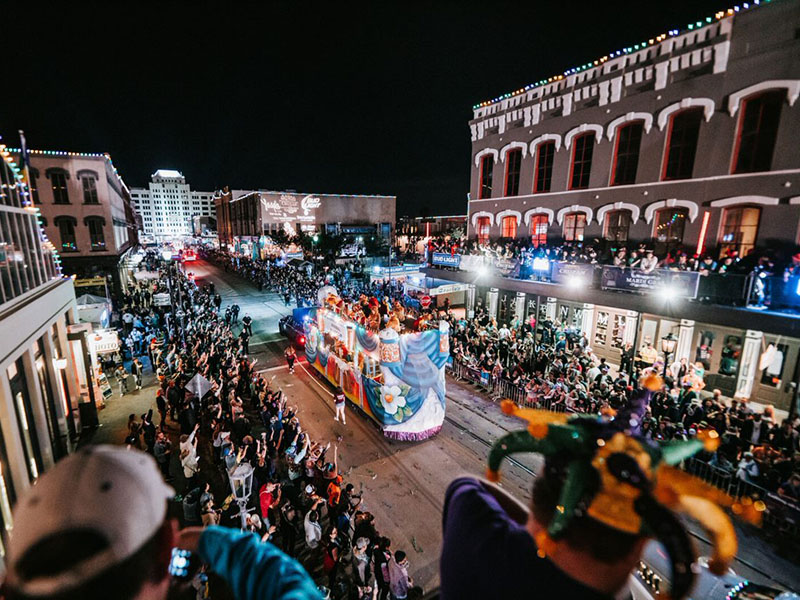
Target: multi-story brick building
(683,141)
(86,211)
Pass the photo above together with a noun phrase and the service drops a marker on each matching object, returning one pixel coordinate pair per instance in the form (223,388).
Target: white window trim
(511,146)
(482,213)
(606,208)
(707,104)
(575,208)
(498,218)
(598,133)
(792,87)
(545,137)
(483,153)
(627,118)
(539,210)
(737,200)
(651,209)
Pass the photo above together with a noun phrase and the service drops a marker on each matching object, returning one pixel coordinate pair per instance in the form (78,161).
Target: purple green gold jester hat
(626,482)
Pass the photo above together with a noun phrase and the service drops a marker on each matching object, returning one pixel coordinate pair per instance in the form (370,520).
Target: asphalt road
(404,483)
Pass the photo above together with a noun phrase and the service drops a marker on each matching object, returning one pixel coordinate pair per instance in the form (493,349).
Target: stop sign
(425,301)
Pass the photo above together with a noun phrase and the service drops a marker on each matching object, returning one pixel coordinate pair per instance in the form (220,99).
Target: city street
(404,483)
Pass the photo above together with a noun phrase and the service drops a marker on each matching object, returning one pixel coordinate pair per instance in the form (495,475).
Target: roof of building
(655,40)
(168,173)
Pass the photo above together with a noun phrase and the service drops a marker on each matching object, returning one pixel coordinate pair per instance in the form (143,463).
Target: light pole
(668,347)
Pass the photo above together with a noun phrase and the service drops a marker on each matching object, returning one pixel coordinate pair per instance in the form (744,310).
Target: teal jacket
(253,569)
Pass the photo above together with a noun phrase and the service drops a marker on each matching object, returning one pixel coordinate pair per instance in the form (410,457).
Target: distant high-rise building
(167,206)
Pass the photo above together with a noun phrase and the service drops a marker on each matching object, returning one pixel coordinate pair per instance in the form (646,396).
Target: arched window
(32,185)
(545,153)
(617,225)
(626,153)
(739,230)
(513,166)
(485,184)
(684,129)
(582,161)
(66,230)
(509,227)
(482,229)
(539,224)
(670,224)
(58,181)
(89,184)
(758,130)
(574,225)
(96,235)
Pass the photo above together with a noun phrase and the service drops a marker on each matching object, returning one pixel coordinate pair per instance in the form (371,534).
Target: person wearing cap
(109,538)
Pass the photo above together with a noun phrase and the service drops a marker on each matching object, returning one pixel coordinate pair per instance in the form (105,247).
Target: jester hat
(626,482)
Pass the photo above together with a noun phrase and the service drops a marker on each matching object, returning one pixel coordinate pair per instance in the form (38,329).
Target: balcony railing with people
(755,287)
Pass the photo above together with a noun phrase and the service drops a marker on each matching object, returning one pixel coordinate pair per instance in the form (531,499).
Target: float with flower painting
(395,377)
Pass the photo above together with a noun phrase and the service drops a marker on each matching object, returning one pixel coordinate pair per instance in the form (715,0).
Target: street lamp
(668,343)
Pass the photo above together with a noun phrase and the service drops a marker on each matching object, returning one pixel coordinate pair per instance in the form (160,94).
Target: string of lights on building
(22,189)
(627,50)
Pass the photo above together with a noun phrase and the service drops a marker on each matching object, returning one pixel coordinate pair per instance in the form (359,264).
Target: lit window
(539,230)
(739,230)
(509,227)
(574,224)
(59,183)
(669,227)
(482,229)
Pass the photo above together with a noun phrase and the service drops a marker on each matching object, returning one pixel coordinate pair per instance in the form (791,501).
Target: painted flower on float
(392,399)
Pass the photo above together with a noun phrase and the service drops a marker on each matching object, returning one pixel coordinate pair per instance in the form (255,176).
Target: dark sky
(329,97)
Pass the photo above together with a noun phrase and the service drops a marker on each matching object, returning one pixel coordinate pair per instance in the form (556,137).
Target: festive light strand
(627,50)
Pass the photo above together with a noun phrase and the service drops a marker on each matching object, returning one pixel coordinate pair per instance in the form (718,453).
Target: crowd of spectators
(640,256)
(300,500)
(553,367)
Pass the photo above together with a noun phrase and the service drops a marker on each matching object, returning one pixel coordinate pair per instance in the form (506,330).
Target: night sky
(334,97)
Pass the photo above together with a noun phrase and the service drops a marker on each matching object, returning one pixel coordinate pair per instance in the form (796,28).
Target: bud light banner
(677,284)
(442,259)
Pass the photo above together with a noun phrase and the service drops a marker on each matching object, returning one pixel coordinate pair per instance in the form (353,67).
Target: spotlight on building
(574,282)
(669,292)
(483,271)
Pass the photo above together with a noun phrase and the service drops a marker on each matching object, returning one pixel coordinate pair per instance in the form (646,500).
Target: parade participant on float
(602,493)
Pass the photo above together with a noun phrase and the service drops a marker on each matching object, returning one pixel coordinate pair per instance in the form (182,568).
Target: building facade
(686,140)
(168,205)
(242,213)
(86,211)
(40,396)
(428,226)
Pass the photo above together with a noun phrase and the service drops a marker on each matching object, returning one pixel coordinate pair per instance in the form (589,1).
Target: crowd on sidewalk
(553,367)
(300,500)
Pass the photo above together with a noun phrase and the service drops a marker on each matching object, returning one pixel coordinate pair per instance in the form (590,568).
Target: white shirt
(313,531)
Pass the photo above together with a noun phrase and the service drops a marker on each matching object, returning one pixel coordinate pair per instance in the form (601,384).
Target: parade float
(395,378)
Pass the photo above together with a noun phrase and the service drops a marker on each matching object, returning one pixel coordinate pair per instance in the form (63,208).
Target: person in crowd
(96,527)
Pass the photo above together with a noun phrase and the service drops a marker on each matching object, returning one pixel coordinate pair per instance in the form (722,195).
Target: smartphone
(179,564)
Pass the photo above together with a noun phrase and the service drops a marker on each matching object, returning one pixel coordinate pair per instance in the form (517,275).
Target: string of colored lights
(628,50)
(23,190)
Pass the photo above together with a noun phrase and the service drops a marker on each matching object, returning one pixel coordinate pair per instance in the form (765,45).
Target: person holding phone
(95,527)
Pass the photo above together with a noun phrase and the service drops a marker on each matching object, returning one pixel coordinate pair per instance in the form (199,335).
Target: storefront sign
(104,340)
(678,284)
(448,289)
(562,272)
(443,259)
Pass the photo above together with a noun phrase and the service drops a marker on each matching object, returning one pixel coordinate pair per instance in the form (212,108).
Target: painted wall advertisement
(293,210)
